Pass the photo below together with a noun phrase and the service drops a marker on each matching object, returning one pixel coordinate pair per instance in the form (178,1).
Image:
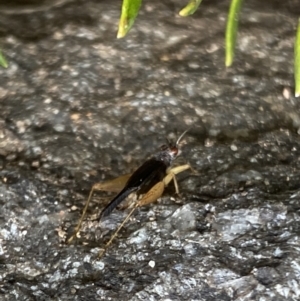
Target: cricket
(148,182)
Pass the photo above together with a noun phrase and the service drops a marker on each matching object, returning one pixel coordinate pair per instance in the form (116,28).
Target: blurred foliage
(3,62)
(130,10)
(297,61)
(190,8)
(231,31)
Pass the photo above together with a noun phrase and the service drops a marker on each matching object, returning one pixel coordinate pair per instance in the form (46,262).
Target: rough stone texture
(78,106)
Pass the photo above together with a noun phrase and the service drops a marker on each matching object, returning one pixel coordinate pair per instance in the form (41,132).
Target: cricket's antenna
(181,136)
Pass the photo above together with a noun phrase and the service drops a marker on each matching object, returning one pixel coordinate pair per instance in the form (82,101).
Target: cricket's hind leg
(114,185)
(151,196)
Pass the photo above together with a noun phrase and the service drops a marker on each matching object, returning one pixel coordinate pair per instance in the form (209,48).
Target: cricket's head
(169,152)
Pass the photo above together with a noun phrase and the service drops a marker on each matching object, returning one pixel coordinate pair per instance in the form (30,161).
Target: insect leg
(112,185)
(171,175)
(101,253)
(77,229)
(152,195)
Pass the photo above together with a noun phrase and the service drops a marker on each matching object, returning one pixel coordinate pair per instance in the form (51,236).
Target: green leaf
(297,61)
(190,8)
(231,30)
(3,61)
(130,9)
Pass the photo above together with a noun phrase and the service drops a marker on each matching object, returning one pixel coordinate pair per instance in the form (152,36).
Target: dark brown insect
(151,177)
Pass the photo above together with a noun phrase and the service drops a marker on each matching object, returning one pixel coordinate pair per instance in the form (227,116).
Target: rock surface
(78,107)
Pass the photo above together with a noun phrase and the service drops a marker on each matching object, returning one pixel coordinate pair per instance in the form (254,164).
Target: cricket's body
(149,179)
(150,173)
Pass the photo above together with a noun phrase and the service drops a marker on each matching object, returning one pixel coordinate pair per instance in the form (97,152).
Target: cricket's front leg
(171,175)
(114,185)
(157,190)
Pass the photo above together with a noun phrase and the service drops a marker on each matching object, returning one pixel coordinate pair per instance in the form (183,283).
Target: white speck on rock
(151,264)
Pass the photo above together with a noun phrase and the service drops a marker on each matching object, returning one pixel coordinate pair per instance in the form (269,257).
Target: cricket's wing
(151,170)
